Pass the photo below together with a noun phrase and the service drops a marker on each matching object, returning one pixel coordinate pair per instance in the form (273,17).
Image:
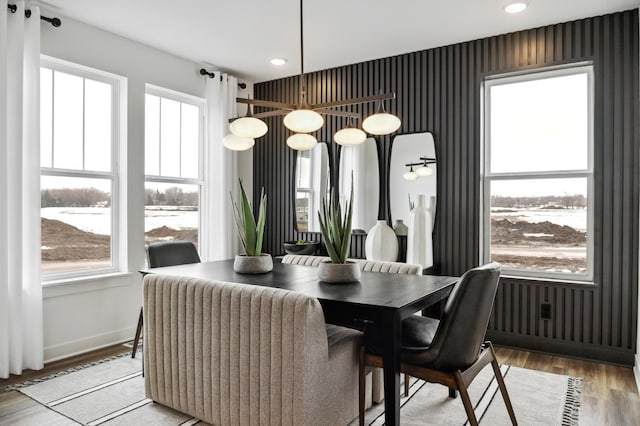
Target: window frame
(201,104)
(488,177)
(118,85)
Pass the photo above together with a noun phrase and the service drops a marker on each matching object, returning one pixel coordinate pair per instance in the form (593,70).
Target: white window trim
(488,177)
(118,185)
(201,103)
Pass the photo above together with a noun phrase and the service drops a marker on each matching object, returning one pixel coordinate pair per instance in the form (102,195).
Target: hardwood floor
(609,393)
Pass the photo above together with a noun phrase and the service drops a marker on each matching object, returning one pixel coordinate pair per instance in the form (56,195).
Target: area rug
(111,392)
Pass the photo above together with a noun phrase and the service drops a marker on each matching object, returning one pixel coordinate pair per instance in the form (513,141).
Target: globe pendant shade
(236,143)
(381,123)
(303,121)
(301,141)
(410,175)
(248,127)
(424,171)
(350,136)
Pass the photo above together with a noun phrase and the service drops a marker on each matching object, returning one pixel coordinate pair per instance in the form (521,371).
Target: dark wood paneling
(438,90)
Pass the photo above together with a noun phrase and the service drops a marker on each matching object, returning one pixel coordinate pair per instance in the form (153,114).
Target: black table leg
(391,358)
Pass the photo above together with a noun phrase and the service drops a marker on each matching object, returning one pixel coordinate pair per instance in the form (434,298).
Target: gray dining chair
(166,253)
(451,351)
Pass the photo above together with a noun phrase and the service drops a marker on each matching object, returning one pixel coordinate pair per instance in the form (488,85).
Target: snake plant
(250,231)
(336,227)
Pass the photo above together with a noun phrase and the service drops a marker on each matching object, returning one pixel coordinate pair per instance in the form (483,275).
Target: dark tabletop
(382,290)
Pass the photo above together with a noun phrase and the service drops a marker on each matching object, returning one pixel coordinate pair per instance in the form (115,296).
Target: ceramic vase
(381,243)
(419,238)
(400,228)
(244,264)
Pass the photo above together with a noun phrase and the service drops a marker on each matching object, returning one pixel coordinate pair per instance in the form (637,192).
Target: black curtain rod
(212,74)
(56,22)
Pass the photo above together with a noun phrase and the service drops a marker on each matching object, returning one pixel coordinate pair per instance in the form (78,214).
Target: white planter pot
(244,264)
(339,272)
(381,243)
(419,238)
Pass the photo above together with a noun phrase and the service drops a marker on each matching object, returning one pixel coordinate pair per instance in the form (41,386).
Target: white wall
(86,314)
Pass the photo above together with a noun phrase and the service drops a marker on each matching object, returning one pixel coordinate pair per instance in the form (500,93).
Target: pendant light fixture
(350,135)
(248,126)
(423,171)
(410,175)
(237,143)
(303,118)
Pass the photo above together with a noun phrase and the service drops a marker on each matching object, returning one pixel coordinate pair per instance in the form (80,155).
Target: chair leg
(503,388)
(406,384)
(137,338)
(362,384)
(452,393)
(466,401)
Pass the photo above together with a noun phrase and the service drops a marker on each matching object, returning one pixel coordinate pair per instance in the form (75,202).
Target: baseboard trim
(80,346)
(568,349)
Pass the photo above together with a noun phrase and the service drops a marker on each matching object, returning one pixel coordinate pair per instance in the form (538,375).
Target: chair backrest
(303,259)
(231,353)
(458,340)
(170,253)
(365,265)
(390,267)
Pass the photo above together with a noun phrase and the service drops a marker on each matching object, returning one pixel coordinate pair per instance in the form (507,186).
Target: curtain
(221,171)
(21,340)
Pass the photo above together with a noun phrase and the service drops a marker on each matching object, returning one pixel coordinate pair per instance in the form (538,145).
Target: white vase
(419,238)
(381,243)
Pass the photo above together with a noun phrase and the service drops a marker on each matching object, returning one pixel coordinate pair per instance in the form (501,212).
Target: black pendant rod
(56,22)
(302,88)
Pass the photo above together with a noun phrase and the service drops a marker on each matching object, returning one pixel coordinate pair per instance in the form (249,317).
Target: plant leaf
(262,215)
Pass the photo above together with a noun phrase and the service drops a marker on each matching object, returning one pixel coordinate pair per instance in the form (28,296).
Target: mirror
(362,160)
(409,149)
(311,184)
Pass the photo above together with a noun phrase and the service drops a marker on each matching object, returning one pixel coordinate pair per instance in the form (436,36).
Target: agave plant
(250,232)
(336,227)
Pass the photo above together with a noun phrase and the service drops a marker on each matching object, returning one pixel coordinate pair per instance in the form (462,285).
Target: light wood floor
(609,393)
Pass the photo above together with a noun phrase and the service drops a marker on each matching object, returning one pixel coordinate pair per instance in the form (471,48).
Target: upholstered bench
(239,354)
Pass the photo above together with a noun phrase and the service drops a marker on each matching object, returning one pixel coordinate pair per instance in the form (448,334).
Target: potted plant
(336,235)
(301,247)
(251,233)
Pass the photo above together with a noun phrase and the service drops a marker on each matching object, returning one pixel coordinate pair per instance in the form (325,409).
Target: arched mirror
(362,160)
(409,153)
(311,184)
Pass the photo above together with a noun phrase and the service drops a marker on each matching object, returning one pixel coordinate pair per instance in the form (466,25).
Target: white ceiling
(241,36)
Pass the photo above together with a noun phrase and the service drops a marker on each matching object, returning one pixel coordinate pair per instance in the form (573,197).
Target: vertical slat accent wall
(438,90)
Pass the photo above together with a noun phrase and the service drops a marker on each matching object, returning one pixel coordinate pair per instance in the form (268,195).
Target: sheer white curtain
(21,342)
(221,171)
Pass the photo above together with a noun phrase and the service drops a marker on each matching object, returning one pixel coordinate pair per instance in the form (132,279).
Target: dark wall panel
(438,90)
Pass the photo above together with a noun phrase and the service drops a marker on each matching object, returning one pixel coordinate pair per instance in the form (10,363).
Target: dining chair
(166,253)
(451,351)
(365,266)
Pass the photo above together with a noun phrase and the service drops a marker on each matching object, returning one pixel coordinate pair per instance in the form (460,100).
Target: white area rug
(112,393)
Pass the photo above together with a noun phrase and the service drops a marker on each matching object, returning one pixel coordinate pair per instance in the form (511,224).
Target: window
(173,165)
(538,181)
(79,136)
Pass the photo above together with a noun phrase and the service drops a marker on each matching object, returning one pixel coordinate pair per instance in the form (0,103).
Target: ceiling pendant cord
(302,84)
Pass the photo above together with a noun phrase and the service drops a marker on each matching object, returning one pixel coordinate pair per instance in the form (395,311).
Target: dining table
(380,298)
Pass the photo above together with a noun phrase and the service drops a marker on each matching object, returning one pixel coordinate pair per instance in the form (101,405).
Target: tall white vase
(419,239)
(381,243)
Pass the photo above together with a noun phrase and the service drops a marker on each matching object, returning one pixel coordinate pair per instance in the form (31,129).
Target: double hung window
(173,165)
(79,133)
(538,173)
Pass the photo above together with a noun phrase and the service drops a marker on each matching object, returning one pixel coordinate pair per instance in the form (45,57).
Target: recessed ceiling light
(515,7)
(278,61)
